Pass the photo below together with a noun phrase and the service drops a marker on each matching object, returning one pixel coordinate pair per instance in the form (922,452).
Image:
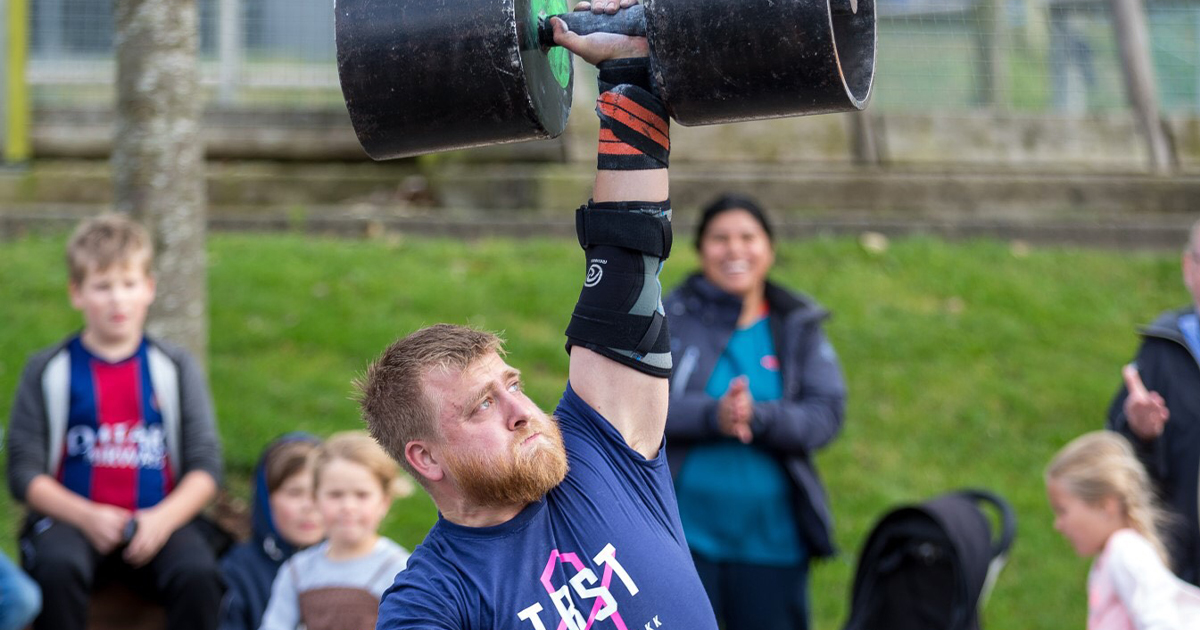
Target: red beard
(521,477)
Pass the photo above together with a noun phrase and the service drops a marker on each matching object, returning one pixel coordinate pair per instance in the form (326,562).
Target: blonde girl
(336,585)
(1104,506)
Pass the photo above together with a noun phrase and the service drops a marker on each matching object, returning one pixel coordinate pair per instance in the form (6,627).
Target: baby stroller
(931,566)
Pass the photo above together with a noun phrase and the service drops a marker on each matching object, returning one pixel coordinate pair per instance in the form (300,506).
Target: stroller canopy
(931,566)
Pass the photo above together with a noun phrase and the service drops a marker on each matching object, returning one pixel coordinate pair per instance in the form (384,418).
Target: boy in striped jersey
(113,446)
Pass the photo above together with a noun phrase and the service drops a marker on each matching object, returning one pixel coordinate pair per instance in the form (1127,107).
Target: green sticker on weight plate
(559,58)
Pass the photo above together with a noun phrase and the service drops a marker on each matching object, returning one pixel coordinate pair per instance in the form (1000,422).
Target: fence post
(1129,22)
(16,88)
(864,141)
(1196,35)
(229,49)
(991,80)
(4,79)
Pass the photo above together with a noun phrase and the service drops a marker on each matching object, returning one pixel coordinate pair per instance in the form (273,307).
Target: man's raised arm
(620,353)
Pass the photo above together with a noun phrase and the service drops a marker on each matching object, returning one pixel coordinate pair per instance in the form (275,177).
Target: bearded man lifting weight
(564,521)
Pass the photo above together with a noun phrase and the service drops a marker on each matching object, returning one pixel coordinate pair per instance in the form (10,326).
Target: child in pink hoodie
(1104,506)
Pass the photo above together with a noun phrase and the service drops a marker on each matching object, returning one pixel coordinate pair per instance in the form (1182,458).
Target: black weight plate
(421,76)
(722,61)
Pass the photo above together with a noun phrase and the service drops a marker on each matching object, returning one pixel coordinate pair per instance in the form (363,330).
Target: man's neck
(474,516)
(108,349)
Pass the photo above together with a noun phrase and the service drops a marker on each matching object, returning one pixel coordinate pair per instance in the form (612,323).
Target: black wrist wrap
(634,124)
(619,313)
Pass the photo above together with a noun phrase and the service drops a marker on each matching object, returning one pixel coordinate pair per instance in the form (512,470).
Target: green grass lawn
(968,365)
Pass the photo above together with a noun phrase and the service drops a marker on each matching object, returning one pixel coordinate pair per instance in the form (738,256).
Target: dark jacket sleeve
(27,430)
(809,417)
(200,444)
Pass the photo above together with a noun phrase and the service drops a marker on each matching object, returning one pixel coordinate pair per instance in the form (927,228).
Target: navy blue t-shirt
(603,550)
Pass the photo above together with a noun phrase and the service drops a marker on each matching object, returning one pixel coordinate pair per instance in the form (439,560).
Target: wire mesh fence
(1027,82)
(941,55)
(1027,55)
(274,53)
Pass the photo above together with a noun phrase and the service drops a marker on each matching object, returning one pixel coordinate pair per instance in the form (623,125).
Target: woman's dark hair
(727,202)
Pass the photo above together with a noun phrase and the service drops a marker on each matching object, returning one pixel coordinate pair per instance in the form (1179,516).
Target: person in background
(1158,410)
(284,520)
(757,390)
(113,447)
(20,597)
(337,584)
(1104,505)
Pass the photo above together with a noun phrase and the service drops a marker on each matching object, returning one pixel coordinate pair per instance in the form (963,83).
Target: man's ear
(422,457)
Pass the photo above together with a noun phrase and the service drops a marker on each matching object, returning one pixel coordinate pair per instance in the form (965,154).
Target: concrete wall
(960,140)
(1082,179)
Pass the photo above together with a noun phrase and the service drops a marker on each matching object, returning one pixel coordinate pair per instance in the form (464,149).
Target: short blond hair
(1102,464)
(392,392)
(106,240)
(358,447)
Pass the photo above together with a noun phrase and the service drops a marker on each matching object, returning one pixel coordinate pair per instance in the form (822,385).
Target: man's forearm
(651,185)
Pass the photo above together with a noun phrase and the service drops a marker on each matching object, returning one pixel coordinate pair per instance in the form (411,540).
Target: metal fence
(1018,55)
(278,53)
(1034,82)
(1027,55)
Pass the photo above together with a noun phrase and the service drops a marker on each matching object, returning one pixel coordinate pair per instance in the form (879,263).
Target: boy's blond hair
(106,240)
(360,448)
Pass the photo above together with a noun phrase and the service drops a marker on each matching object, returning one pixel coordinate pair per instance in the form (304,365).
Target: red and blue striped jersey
(115,450)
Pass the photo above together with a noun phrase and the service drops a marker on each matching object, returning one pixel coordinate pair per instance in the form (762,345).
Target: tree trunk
(158,158)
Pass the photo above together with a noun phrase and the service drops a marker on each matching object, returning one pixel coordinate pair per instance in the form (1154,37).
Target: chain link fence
(273,53)
(939,55)
(963,81)
(1027,55)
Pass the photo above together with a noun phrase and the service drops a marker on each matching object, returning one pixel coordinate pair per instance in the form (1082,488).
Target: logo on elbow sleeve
(594,273)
